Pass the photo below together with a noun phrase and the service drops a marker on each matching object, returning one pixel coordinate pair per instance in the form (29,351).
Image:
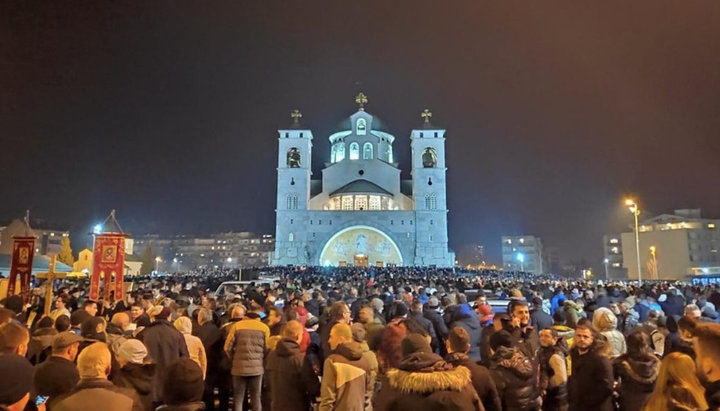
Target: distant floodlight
(97,229)
(521,257)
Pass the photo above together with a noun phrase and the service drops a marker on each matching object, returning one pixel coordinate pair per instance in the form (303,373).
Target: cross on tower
(426,114)
(361,100)
(51,276)
(296,116)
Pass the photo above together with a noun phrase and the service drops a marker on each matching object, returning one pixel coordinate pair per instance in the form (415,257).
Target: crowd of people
(410,338)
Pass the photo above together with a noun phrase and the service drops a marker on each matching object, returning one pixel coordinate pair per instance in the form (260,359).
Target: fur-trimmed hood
(513,360)
(644,370)
(424,377)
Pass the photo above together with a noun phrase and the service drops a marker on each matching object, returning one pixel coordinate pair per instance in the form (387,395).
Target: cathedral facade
(360,213)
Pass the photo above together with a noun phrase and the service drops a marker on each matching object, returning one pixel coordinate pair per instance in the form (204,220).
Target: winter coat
(673,305)
(606,322)
(139,377)
(55,376)
(424,381)
(427,325)
(439,325)
(540,319)
(293,384)
(628,321)
(346,380)
(513,374)
(39,347)
(164,344)
(591,382)
(637,380)
(197,353)
(99,394)
(471,324)
(481,380)
(212,340)
(245,345)
(573,313)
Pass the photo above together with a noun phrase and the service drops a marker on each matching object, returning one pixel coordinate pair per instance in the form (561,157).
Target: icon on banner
(109,253)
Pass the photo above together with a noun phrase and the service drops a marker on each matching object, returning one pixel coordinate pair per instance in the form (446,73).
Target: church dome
(377,124)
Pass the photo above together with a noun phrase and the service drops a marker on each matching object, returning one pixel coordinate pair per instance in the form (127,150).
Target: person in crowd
(513,373)
(135,372)
(346,373)
(525,337)
(316,305)
(245,346)
(62,323)
(707,309)
(274,320)
(590,385)
(236,313)
(359,336)
(211,338)
(680,337)
(41,341)
(423,381)
(138,316)
(574,311)
(671,303)
(16,382)
(373,326)
(606,323)
(194,345)
(563,331)
(463,316)
(553,370)
(457,346)
(58,374)
(94,391)
(14,339)
(183,387)
(416,314)
(628,318)
(707,347)
(539,319)
(90,307)
(558,300)
(164,344)
(389,351)
(61,303)
(677,387)
(500,321)
(339,312)
(650,328)
(77,318)
(636,372)
(118,330)
(292,382)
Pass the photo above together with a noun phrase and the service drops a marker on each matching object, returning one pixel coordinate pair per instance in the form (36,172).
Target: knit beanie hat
(183,383)
(414,343)
(132,351)
(16,374)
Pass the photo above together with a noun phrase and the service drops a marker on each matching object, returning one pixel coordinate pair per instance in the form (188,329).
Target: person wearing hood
(183,387)
(423,381)
(628,318)
(606,323)
(513,373)
(41,341)
(636,371)
(194,344)
(292,382)
(458,344)
(573,312)
(553,370)
(134,372)
(346,373)
(464,316)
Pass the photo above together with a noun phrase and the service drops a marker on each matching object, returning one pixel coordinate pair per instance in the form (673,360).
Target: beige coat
(194,345)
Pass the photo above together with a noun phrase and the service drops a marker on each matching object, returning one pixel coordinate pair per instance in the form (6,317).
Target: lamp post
(521,258)
(157,264)
(606,261)
(635,210)
(655,272)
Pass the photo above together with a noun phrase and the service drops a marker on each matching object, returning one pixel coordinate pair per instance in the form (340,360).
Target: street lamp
(606,261)
(635,210)
(157,264)
(521,258)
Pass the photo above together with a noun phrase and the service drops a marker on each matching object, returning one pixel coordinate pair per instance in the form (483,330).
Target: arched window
(367,151)
(292,201)
(293,158)
(361,127)
(390,154)
(339,152)
(429,157)
(431,201)
(354,151)
(291,237)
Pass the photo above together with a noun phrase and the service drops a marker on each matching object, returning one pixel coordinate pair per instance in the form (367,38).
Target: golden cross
(361,100)
(51,276)
(426,114)
(296,116)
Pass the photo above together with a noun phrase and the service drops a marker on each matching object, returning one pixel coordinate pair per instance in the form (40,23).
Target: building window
(375,203)
(361,203)
(292,201)
(367,151)
(347,203)
(390,154)
(291,237)
(361,127)
(338,152)
(429,157)
(354,151)
(613,241)
(431,201)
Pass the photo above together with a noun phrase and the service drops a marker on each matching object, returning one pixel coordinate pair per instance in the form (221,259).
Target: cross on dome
(361,100)
(296,115)
(426,115)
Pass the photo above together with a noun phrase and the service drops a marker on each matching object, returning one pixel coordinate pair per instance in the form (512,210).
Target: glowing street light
(606,261)
(635,211)
(158,260)
(653,251)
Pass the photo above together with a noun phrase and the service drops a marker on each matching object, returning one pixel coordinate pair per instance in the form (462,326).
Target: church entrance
(361,260)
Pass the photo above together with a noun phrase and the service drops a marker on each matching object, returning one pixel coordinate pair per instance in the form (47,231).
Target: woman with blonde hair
(677,387)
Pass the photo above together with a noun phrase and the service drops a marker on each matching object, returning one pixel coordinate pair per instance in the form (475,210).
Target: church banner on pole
(21,265)
(108,261)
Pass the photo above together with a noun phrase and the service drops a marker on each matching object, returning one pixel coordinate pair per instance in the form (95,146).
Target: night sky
(167,110)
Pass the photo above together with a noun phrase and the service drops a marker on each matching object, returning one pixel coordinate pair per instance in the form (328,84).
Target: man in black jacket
(416,314)
(431,313)
(458,344)
(591,381)
(212,340)
(164,344)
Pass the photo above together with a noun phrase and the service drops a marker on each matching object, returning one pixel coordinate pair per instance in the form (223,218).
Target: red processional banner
(22,259)
(108,262)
